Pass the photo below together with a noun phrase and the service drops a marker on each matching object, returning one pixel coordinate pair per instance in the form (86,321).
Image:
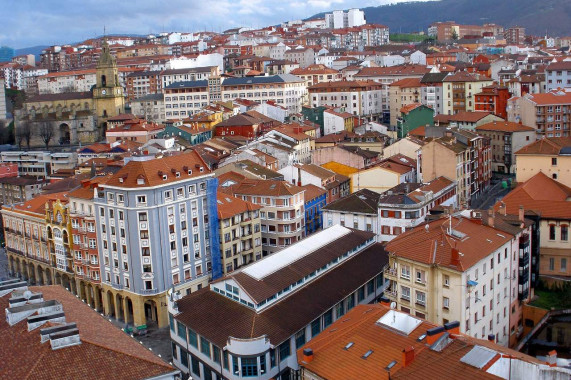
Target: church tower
(108,93)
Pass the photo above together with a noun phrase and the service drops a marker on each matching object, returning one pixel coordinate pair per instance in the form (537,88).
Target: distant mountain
(538,17)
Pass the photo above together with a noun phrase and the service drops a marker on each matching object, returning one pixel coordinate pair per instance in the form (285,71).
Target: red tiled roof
(546,146)
(105,352)
(504,126)
(152,171)
(228,206)
(548,98)
(407,83)
(409,107)
(542,195)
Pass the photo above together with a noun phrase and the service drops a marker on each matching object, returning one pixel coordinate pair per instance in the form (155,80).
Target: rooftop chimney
(521,213)
(452,327)
(503,208)
(385,301)
(491,217)
(491,337)
(407,356)
(307,355)
(433,334)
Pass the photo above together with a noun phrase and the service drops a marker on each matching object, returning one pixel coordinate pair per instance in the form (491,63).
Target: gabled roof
(364,201)
(550,146)
(433,245)
(266,187)
(542,195)
(504,126)
(228,206)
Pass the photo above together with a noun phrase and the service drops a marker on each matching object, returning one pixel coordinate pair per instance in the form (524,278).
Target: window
(327,318)
(405,271)
(285,350)
(446,302)
(340,309)
(192,338)
(420,298)
(552,232)
(300,339)
(420,276)
(181,330)
(141,199)
(446,280)
(564,232)
(315,327)
(551,263)
(205,346)
(554,161)
(405,292)
(249,367)
(195,365)
(563,264)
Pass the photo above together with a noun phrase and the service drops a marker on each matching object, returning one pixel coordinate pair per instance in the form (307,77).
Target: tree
(24,134)
(46,132)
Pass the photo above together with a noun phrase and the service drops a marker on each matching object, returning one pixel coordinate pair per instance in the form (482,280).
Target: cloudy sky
(50,22)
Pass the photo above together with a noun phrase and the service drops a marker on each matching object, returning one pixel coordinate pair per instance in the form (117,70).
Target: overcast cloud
(51,22)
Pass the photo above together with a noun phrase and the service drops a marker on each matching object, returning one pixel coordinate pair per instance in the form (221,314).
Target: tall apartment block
(156,227)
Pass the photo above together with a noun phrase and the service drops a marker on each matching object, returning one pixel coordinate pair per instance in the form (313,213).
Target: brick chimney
(407,356)
(503,209)
(551,358)
(452,327)
(521,213)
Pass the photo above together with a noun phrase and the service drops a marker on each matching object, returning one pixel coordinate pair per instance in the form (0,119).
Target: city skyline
(39,23)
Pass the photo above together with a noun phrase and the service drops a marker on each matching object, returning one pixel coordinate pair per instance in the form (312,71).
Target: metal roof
(478,356)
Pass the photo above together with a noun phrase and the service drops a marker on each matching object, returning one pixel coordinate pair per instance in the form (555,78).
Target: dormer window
(189,171)
(140,181)
(164,177)
(201,169)
(177,174)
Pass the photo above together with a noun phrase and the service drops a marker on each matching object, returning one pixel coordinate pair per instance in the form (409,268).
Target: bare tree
(46,132)
(24,133)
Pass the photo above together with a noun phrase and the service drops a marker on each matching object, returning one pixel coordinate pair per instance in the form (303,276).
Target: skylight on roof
(367,354)
(478,356)
(291,254)
(399,321)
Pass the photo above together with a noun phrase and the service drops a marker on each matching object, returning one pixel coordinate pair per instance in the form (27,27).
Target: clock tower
(108,93)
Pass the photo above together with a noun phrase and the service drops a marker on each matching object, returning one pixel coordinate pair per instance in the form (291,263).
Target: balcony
(391,273)
(391,294)
(151,291)
(118,286)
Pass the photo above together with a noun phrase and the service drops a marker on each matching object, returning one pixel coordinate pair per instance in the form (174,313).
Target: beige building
(550,155)
(67,81)
(460,269)
(407,146)
(403,92)
(382,177)
(458,91)
(240,232)
(282,214)
(550,202)
(506,138)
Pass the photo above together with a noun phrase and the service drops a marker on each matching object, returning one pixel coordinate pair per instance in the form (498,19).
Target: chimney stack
(307,355)
(407,356)
(491,217)
(385,301)
(521,213)
(491,337)
(452,327)
(298,176)
(433,334)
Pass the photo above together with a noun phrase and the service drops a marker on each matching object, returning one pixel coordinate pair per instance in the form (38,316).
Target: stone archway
(64,134)
(129,310)
(40,275)
(32,274)
(120,315)
(111,303)
(151,311)
(12,266)
(57,279)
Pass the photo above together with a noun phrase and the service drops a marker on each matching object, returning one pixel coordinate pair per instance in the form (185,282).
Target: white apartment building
(362,98)
(341,19)
(38,163)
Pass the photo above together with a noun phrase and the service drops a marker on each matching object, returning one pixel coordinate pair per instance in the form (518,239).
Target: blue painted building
(315,200)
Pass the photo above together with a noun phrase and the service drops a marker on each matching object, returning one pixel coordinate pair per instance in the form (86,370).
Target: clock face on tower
(103,92)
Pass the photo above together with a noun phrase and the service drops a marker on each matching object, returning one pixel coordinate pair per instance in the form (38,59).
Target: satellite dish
(27,294)
(393,305)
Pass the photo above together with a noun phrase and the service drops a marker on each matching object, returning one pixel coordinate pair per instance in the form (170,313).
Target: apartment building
(448,30)
(493,99)
(171,76)
(319,280)
(506,138)
(336,185)
(150,107)
(157,228)
(282,215)
(464,268)
(26,236)
(549,155)
(186,98)
(558,75)
(387,75)
(358,210)
(19,189)
(515,35)
(67,81)
(38,163)
(240,232)
(402,93)
(461,156)
(546,201)
(407,205)
(459,90)
(549,113)
(304,56)
(360,98)
(318,73)
(142,83)
(431,91)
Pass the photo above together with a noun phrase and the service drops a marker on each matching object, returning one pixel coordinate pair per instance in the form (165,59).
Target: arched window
(103,81)
(57,233)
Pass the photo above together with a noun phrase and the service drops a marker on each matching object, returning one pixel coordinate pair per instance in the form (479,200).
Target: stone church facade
(75,117)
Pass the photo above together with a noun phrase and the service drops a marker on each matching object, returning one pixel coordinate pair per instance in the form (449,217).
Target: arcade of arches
(133,309)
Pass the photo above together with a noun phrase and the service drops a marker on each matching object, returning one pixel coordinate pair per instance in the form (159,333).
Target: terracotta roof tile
(228,206)
(504,126)
(546,146)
